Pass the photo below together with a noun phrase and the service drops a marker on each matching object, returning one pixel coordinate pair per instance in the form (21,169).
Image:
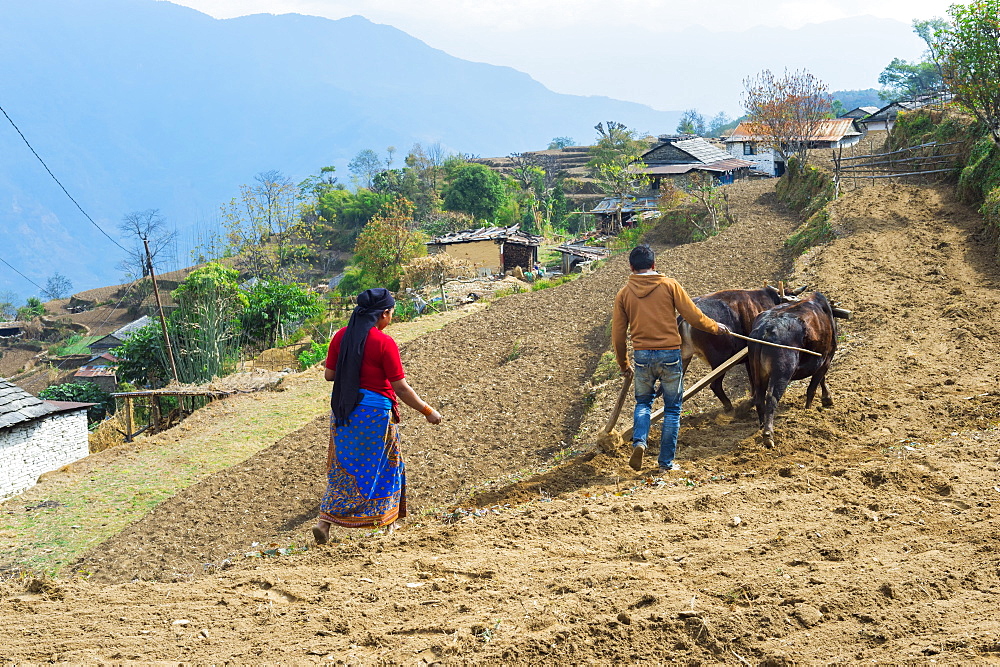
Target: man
(645,308)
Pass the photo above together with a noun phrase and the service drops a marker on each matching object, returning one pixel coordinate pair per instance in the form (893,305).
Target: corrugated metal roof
(130,328)
(18,406)
(95,372)
(585,251)
(511,234)
(701,150)
(830,129)
(611,205)
(723,165)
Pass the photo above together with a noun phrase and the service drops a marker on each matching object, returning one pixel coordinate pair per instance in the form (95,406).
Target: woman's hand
(434,417)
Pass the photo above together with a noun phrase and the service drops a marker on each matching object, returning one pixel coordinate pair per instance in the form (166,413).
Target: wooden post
(159,307)
(128,419)
(154,413)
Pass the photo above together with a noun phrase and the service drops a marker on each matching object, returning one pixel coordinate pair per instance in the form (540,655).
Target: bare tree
(786,111)
(435,158)
(262,223)
(140,226)
(57,286)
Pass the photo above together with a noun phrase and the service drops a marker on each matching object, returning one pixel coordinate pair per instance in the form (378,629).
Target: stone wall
(29,449)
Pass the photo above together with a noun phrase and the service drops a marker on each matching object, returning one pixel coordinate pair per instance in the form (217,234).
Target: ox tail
(824,303)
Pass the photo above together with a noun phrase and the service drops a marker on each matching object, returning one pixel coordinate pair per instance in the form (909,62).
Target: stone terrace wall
(46,444)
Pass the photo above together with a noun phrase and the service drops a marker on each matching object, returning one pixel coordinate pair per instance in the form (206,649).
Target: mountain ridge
(140,104)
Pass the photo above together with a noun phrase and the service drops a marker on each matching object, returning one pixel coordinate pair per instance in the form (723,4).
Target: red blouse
(380,365)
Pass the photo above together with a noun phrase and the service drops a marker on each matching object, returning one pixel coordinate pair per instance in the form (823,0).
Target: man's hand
(723,329)
(626,368)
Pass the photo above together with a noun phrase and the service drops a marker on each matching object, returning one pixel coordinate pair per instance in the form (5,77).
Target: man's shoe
(635,461)
(668,468)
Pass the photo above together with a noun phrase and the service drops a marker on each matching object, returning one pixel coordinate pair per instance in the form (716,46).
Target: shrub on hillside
(82,392)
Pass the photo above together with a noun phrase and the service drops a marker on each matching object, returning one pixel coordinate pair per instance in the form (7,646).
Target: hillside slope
(868,534)
(139,104)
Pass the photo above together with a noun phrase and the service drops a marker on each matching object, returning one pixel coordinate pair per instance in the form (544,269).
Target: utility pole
(159,307)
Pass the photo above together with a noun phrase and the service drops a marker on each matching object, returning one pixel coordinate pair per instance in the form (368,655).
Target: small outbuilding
(102,370)
(632,209)
(12,330)
(490,249)
(37,436)
(575,254)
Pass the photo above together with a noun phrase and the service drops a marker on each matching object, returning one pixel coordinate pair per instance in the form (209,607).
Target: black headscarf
(347,380)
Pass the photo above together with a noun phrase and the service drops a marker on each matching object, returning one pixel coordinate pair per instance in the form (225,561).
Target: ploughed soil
(869,533)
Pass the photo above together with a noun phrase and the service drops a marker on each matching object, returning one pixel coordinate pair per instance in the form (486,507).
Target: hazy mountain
(138,104)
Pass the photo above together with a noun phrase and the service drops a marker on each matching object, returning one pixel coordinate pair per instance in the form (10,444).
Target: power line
(21,274)
(26,143)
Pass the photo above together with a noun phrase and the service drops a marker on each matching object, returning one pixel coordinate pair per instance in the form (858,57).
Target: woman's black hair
(347,379)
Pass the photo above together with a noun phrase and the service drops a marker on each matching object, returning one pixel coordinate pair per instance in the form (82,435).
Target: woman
(366,480)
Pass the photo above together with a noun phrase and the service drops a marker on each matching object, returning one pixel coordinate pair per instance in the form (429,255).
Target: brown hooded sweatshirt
(646,306)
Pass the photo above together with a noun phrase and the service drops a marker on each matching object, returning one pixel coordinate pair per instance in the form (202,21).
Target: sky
(595,47)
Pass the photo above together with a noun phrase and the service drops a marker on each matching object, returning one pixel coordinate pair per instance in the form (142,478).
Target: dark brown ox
(807,324)
(737,309)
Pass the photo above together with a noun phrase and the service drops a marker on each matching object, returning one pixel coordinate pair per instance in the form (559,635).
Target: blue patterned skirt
(366,480)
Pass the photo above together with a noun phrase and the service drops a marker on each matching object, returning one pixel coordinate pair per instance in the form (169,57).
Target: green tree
(718,123)
(387,243)
(31,309)
(142,358)
(691,122)
(615,162)
(205,329)
(364,166)
(968,50)
(82,392)
(902,80)
(273,308)
(559,143)
(477,190)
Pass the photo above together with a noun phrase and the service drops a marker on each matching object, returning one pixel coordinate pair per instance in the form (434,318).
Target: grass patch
(78,514)
(546,283)
(75,344)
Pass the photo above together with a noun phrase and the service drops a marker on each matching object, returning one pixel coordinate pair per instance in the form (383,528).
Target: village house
(858,113)
(885,118)
(750,141)
(490,250)
(37,436)
(676,157)
(117,337)
(102,370)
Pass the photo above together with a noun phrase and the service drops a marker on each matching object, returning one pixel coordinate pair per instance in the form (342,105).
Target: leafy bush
(274,308)
(313,355)
(82,392)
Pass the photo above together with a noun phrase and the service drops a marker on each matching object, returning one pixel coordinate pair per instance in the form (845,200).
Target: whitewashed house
(37,436)
(749,141)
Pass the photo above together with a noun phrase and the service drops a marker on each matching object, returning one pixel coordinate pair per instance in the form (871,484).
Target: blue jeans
(665,366)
